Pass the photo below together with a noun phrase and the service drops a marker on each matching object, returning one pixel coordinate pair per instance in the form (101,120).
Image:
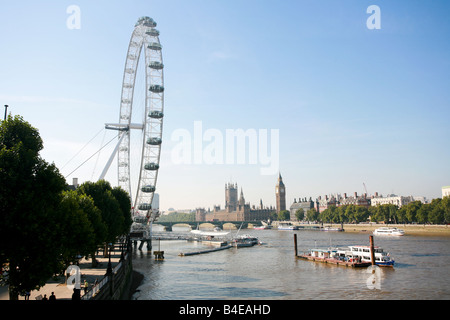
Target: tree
(109,206)
(436,211)
(30,191)
(312,215)
(329,215)
(422,214)
(445,204)
(300,214)
(177,217)
(77,232)
(411,211)
(95,217)
(341,215)
(125,206)
(401,215)
(284,215)
(361,214)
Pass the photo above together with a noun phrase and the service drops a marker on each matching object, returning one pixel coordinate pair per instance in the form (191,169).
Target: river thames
(271,271)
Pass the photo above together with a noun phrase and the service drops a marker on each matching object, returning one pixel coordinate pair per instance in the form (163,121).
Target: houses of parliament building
(237,210)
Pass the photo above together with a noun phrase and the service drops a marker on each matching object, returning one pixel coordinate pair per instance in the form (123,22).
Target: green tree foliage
(30,191)
(284,215)
(44,228)
(77,232)
(110,208)
(445,205)
(312,215)
(177,217)
(125,207)
(95,217)
(300,214)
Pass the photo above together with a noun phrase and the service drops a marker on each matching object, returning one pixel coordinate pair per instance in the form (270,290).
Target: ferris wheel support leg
(108,164)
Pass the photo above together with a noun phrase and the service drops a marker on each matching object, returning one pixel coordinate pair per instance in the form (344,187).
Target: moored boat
(387,231)
(332,229)
(340,257)
(287,226)
(382,259)
(354,256)
(245,241)
(262,227)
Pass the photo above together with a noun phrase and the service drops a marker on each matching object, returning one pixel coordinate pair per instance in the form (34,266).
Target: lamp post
(109,269)
(6,110)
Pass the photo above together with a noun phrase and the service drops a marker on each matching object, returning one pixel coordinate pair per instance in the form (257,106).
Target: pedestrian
(27,295)
(76,295)
(45,298)
(86,286)
(52,297)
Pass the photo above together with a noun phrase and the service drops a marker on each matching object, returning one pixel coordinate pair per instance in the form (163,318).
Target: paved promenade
(62,292)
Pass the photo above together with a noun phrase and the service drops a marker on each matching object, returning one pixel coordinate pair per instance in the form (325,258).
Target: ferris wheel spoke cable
(91,156)
(82,148)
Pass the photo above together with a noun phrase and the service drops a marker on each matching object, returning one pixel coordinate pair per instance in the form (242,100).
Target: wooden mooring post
(295,244)
(372,250)
(159,255)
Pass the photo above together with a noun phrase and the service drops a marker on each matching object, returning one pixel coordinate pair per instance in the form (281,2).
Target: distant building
(321,204)
(74,185)
(421,199)
(399,201)
(342,200)
(155,201)
(301,204)
(445,191)
(235,210)
(231,196)
(280,193)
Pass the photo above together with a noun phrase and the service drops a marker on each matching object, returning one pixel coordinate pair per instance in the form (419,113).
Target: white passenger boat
(382,258)
(262,227)
(332,229)
(387,231)
(287,226)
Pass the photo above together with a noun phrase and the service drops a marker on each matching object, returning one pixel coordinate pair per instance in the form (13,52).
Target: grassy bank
(410,229)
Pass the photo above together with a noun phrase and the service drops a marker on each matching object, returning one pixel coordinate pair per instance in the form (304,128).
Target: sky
(353,108)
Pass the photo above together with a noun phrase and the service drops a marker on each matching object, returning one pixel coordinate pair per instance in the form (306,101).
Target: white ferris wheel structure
(138,163)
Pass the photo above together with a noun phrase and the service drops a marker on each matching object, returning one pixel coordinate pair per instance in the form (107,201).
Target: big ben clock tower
(280,192)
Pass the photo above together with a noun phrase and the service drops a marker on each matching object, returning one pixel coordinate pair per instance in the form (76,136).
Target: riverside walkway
(59,287)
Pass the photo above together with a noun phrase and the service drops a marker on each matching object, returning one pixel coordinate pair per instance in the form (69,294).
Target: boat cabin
(322,253)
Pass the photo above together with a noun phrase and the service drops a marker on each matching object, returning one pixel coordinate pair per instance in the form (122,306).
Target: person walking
(86,286)
(52,297)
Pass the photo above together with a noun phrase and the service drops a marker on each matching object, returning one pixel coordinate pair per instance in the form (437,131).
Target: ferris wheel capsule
(156,88)
(155,46)
(156,114)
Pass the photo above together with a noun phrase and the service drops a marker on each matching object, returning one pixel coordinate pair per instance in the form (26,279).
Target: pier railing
(113,285)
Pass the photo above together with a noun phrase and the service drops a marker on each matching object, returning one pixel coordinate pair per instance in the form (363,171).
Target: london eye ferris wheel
(141,116)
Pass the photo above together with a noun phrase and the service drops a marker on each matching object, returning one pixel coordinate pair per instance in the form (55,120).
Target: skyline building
(235,208)
(280,193)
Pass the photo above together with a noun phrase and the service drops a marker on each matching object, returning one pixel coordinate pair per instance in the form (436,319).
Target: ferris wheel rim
(144,39)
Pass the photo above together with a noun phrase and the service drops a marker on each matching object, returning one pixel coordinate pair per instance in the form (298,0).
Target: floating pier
(324,256)
(204,251)
(333,261)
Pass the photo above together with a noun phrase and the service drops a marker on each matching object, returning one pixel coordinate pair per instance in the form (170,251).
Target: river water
(270,271)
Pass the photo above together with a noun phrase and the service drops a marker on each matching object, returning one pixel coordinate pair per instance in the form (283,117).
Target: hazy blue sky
(352,105)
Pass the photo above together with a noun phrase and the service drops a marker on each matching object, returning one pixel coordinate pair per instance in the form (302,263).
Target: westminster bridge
(224,225)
